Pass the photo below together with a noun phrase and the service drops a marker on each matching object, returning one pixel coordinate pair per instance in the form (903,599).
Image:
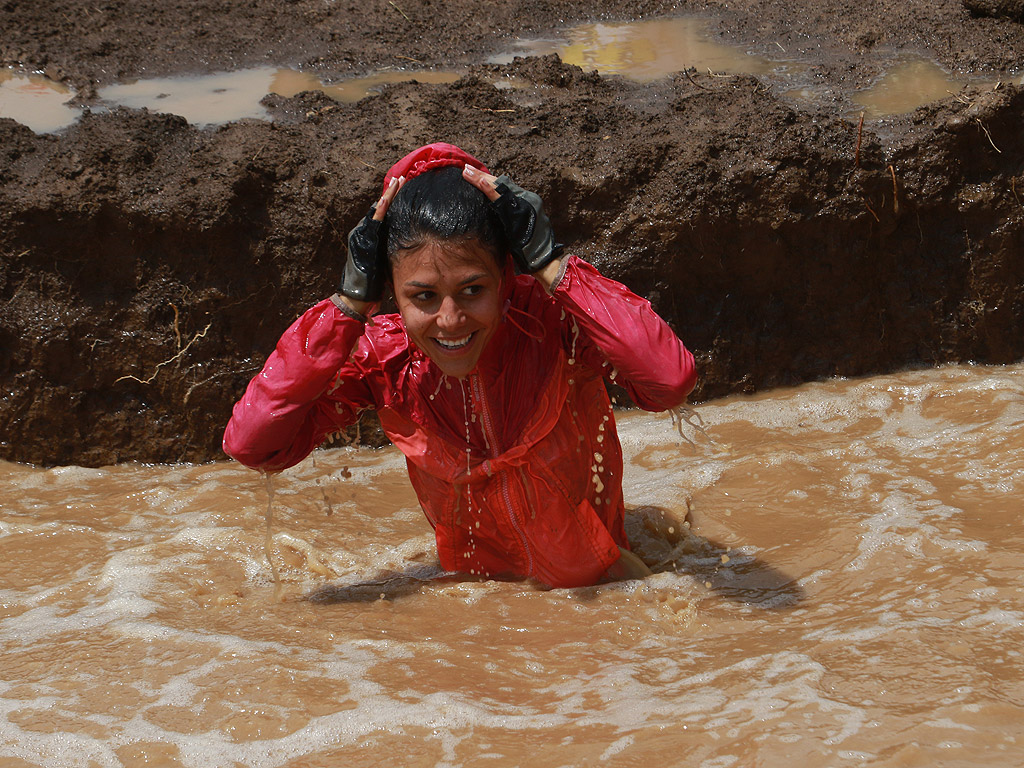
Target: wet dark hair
(440,205)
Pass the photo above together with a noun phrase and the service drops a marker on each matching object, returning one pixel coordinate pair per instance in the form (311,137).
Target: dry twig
(895,192)
(177,332)
(690,78)
(399,10)
(860,133)
(960,98)
(989,137)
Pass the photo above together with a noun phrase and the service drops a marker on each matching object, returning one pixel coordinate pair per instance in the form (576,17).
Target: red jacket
(518,466)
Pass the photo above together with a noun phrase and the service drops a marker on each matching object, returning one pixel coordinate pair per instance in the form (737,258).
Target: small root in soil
(168,361)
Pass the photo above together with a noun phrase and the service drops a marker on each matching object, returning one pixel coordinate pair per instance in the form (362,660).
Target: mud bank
(148,267)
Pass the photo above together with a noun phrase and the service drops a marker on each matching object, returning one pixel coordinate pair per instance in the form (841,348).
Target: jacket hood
(428,158)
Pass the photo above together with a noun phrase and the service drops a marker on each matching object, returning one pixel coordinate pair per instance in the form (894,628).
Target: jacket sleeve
(655,367)
(284,415)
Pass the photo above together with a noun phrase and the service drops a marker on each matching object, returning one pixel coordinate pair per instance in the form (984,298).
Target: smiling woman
(490,382)
(446,249)
(450,299)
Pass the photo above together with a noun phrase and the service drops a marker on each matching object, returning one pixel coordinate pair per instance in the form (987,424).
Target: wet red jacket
(518,466)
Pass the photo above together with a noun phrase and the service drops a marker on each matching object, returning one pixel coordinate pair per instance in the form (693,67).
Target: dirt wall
(148,267)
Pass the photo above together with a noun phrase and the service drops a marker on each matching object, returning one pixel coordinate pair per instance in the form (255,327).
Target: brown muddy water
(643,51)
(36,101)
(848,592)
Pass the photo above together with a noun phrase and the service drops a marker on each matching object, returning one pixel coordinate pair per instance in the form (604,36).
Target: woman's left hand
(528,228)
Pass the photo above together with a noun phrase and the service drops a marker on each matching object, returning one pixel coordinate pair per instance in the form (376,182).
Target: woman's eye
(423,296)
(472,290)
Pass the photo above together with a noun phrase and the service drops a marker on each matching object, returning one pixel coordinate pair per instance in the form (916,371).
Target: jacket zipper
(506,493)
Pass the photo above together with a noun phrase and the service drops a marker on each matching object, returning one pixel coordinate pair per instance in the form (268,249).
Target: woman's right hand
(366,265)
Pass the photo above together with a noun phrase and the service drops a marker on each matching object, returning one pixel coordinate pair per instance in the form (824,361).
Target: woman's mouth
(454,344)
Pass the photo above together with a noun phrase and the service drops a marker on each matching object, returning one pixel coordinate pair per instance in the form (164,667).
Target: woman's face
(450,299)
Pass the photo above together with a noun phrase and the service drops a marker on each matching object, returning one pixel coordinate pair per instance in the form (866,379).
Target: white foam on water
(864,519)
(122,585)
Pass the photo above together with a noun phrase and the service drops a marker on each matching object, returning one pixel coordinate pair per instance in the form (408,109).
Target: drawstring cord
(509,309)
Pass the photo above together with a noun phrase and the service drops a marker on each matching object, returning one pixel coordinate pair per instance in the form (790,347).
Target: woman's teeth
(454,343)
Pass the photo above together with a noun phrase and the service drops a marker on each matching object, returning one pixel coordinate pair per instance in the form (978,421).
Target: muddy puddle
(911,83)
(643,51)
(848,592)
(228,96)
(646,50)
(36,101)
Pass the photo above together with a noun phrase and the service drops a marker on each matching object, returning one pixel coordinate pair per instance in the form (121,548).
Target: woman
(491,383)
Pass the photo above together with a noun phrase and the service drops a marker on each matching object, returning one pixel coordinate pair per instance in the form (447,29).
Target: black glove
(365,268)
(526,225)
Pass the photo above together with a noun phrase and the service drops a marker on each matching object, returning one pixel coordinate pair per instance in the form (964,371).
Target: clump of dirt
(1010,9)
(149,266)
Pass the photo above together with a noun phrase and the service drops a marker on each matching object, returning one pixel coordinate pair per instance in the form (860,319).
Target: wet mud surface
(147,266)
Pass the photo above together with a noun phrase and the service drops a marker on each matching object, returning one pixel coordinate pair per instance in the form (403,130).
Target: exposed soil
(147,267)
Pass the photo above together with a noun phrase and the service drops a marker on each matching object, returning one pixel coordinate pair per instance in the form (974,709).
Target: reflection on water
(838,581)
(907,86)
(227,96)
(645,50)
(35,101)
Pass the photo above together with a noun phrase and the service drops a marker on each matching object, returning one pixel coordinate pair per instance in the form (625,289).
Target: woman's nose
(450,315)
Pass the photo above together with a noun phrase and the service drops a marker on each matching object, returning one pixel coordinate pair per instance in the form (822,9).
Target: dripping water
(268,480)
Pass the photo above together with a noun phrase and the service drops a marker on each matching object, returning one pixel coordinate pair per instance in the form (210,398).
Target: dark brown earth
(147,267)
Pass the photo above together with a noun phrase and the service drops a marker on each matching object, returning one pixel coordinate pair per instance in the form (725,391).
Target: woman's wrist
(549,274)
(354,308)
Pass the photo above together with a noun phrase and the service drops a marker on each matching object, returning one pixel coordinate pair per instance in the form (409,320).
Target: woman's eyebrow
(467,281)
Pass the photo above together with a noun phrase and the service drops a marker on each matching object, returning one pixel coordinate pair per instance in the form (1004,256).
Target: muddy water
(35,101)
(645,50)
(908,85)
(642,51)
(848,592)
(225,96)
